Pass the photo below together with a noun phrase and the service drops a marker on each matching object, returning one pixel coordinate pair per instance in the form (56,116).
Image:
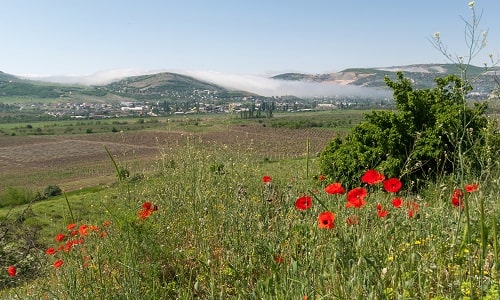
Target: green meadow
(213,221)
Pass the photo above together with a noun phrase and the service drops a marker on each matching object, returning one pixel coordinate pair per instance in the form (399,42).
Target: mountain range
(167,85)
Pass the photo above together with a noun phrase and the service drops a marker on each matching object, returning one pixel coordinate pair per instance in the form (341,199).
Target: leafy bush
(52,190)
(433,132)
(15,196)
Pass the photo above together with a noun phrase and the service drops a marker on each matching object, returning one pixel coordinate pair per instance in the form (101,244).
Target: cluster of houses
(252,106)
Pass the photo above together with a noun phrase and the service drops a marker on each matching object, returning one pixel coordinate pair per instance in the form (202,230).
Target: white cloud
(258,84)
(274,87)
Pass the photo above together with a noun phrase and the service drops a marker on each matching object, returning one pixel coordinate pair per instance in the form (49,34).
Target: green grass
(221,233)
(341,120)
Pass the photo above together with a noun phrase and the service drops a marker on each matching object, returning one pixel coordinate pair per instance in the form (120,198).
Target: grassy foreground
(205,225)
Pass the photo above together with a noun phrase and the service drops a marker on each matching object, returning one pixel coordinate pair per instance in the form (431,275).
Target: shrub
(433,132)
(52,190)
(15,196)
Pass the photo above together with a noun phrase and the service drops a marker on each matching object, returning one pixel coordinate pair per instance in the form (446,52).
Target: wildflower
(321,177)
(392,185)
(106,223)
(278,259)
(85,261)
(372,177)
(458,193)
(83,230)
(334,188)
(50,251)
(12,271)
(303,203)
(471,187)
(68,246)
(456,198)
(471,4)
(147,209)
(352,220)
(325,220)
(71,226)
(412,209)
(266,179)
(356,197)
(381,212)
(58,263)
(397,202)
(60,237)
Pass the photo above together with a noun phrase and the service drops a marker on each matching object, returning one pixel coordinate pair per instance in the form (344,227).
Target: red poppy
(147,209)
(352,220)
(321,177)
(71,226)
(106,223)
(83,230)
(278,259)
(397,202)
(325,220)
(458,193)
(144,214)
(412,209)
(58,263)
(456,198)
(356,197)
(392,185)
(85,261)
(266,179)
(60,237)
(334,188)
(471,187)
(50,251)
(12,271)
(382,213)
(372,177)
(68,246)
(303,203)
(147,206)
(457,202)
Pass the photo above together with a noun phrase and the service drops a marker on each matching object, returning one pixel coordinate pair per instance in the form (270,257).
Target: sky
(102,38)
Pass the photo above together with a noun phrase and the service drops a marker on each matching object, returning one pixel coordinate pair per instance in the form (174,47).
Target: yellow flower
(471,4)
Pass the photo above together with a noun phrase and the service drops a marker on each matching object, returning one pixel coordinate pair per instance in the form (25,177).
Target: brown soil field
(77,161)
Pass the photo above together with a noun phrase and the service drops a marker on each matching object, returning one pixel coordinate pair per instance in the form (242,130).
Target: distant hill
(7,77)
(177,87)
(166,84)
(422,75)
(159,86)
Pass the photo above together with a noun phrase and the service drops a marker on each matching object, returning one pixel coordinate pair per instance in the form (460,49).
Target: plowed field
(74,161)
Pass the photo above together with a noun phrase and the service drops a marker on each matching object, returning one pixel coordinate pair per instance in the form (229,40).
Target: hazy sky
(82,37)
